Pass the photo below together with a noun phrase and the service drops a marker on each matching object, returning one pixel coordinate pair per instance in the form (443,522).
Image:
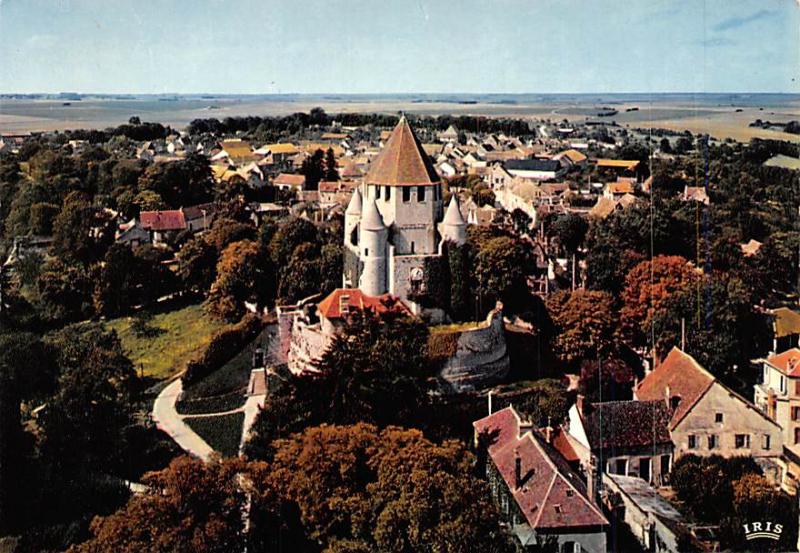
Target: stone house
(540,496)
(778,394)
(630,438)
(709,418)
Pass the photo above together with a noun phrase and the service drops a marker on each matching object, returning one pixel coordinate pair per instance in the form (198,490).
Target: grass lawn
(228,379)
(222,433)
(175,337)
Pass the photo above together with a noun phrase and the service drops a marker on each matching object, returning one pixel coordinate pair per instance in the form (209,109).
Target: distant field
(174,338)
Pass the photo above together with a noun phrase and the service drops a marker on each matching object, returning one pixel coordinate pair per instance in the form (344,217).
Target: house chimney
(579,403)
(592,479)
(548,434)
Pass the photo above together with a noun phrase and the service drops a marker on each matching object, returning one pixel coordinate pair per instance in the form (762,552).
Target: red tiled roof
(290,179)
(403,162)
(356,300)
(550,495)
(328,186)
(163,220)
(788,362)
(685,379)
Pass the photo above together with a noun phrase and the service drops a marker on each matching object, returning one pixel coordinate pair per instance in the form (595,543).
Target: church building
(395,221)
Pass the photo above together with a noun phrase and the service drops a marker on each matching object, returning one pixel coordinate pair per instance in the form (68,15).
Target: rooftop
(342,301)
(403,161)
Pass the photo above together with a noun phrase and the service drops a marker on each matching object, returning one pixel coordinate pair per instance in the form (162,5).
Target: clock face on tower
(417,274)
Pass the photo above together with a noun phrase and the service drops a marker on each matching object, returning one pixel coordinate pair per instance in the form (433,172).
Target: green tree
(331,174)
(314,169)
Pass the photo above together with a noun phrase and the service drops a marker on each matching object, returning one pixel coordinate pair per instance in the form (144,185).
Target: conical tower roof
(402,162)
(354,207)
(371,219)
(453,215)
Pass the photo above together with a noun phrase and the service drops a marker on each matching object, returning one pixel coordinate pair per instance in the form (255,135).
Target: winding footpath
(168,420)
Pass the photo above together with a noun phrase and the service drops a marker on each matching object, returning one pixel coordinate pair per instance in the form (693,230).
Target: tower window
(366,251)
(406,194)
(420,193)
(387,194)
(412,247)
(377,192)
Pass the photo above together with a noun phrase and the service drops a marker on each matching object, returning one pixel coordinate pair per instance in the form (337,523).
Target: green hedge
(224,346)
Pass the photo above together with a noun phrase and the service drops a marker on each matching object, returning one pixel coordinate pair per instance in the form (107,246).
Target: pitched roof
(629,164)
(371,218)
(290,179)
(682,376)
(282,148)
(453,215)
(550,494)
(403,162)
(199,211)
(353,299)
(163,220)
(788,362)
(573,155)
(620,187)
(354,207)
(621,424)
(787,322)
(237,149)
(751,248)
(532,165)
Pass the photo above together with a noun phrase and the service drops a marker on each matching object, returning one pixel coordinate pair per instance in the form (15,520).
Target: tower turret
(372,250)
(352,216)
(453,227)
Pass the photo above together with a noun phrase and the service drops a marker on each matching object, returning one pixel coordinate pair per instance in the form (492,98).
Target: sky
(391,46)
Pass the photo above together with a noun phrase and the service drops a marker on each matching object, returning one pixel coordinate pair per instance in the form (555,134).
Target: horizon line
(206,93)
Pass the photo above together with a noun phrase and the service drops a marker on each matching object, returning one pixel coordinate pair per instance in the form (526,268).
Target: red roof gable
(550,494)
(683,376)
(163,220)
(353,299)
(787,362)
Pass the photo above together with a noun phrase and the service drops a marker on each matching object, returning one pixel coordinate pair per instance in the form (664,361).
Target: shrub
(224,345)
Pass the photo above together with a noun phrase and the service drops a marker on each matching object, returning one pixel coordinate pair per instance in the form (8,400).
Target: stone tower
(392,223)
(372,250)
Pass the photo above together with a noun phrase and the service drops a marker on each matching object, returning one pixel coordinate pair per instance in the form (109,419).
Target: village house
(163,225)
(630,438)
(536,169)
(708,418)
(571,158)
(539,495)
(617,189)
(695,194)
(778,394)
(786,329)
(289,181)
(235,152)
(618,166)
(450,135)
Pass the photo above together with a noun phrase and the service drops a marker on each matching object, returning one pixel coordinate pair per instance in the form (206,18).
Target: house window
(420,193)
(712,441)
(692,441)
(718,417)
(765,442)
(797,387)
(621,467)
(795,413)
(783,384)
(571,547)
(766,375)
(797,435)
(742,441)
(406,194)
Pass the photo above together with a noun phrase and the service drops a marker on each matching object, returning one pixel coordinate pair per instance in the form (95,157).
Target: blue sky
(382,46)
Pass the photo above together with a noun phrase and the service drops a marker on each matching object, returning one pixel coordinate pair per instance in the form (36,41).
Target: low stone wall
(477,357)
(306,345)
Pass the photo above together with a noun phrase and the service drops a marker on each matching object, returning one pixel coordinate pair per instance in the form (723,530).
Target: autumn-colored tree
(243,274)
(606,380)
(361,489)
(197,265)
(585,324)
(648,286)
(189,506)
